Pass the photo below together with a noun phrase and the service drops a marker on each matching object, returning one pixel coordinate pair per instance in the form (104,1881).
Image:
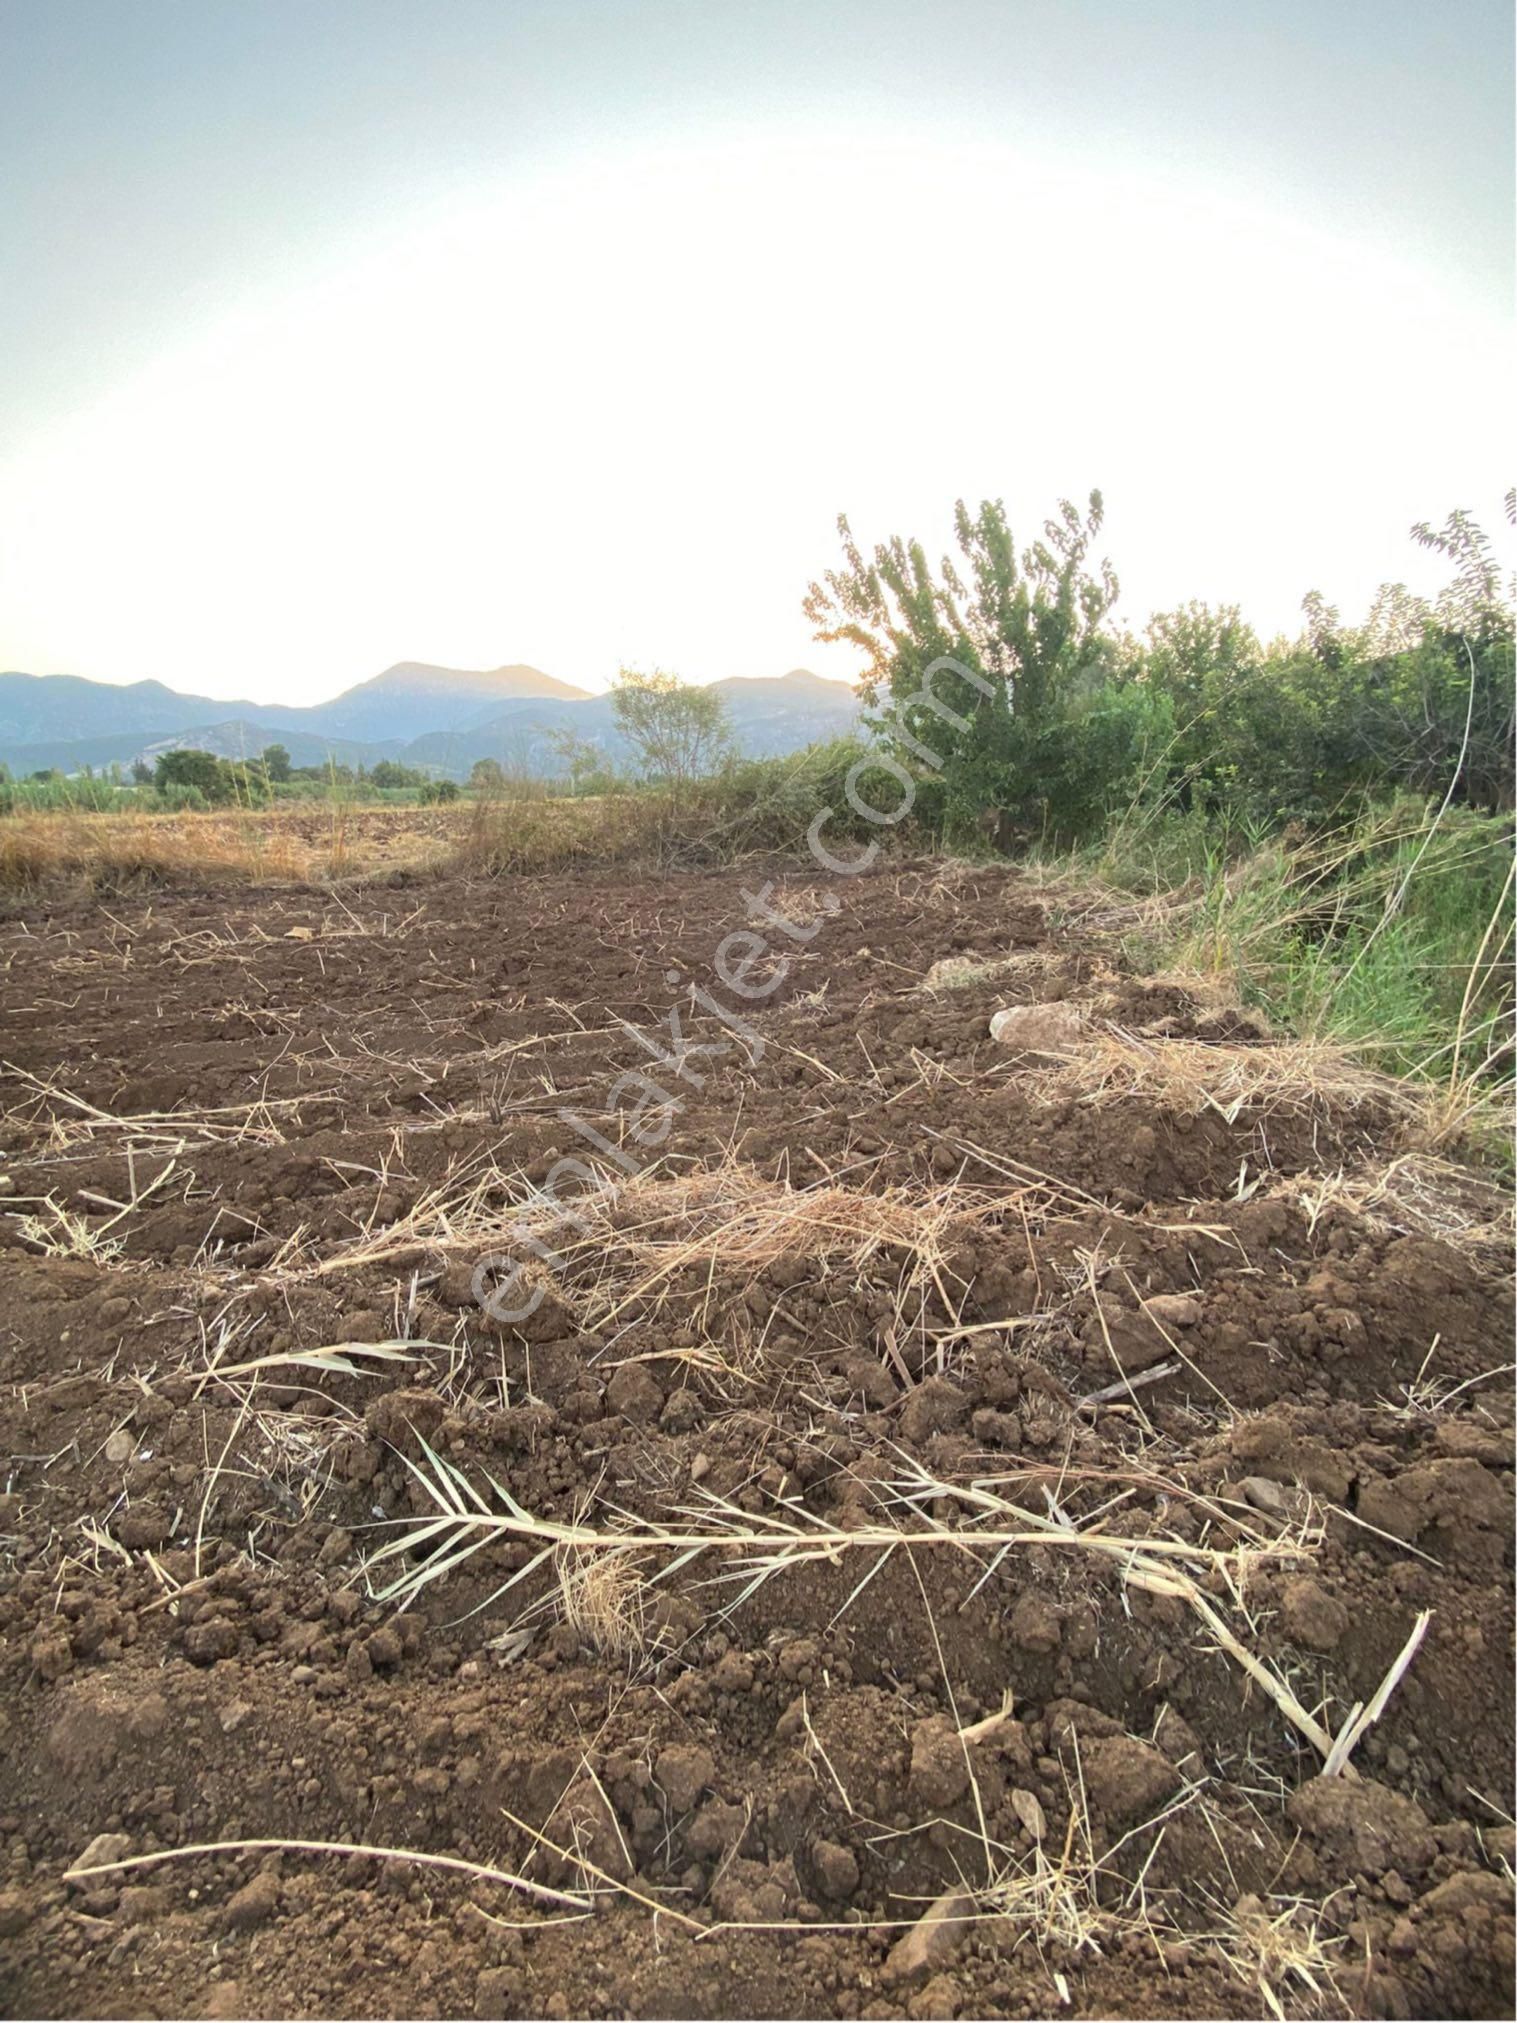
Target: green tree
(584,762)
(679,733)
(486,776)
(246,784)
(187,767)
(276,763)
(971,668)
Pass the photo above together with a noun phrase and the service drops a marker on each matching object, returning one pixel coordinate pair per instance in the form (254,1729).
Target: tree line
(1053,717)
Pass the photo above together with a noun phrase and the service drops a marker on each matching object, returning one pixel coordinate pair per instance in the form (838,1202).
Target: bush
(183,800)
(770,803)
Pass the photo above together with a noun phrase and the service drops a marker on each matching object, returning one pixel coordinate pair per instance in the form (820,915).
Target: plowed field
(916,1557)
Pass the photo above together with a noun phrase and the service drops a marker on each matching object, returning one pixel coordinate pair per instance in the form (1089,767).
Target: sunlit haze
(592,389)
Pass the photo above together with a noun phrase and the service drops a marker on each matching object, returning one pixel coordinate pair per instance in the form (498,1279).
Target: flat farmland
(936,1522)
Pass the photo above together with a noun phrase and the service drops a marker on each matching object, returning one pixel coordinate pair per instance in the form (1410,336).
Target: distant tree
(184,767)
(585,762)
(387,773)
(486,776)
(186,771)
(439,790)
(679,733)
(246,784)
(276,762)
(142,772)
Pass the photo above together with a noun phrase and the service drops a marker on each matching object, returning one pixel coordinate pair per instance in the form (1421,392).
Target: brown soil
(884,1262)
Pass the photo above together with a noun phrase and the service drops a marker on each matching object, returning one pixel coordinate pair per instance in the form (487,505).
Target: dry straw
(758,1546)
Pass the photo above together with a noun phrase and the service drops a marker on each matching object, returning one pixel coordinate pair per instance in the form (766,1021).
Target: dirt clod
(634,1393)
(255,1903)
(837,1869)
(1364,1825)
(1126,1779)
(933,1940)
(1310,1616)
(939,1765)
(682,1773)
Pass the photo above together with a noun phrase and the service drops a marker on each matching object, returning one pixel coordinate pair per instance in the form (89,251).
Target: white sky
(608,412)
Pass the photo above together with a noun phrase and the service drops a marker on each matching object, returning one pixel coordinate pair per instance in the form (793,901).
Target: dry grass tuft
(61,1120)
(541,834)
(1115,1064)
(1418,1194)
(603,1597)
(58,1232)
(961,972)
(1066,1898)
(1277,1947)
(718,1230)
(755,1547)
(107,852)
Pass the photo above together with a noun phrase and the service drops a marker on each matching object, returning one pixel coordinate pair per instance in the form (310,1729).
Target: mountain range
(438,718)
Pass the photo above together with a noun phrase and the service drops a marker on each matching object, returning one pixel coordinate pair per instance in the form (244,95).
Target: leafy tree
(276,763)
(486,776)
(216,781)
(389,773)
(191,768)
(439,790)
(1023,633)
(584,761)
(142,772)
(247,784)
(998,680)
(1189,650)
(679,733)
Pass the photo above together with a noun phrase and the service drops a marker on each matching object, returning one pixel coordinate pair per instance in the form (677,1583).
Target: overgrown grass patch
(1390,934)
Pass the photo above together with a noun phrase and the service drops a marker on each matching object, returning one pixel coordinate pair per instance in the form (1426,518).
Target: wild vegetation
(1043,710)
(1330,815)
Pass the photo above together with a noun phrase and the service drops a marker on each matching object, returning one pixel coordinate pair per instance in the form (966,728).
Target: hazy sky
(345,331)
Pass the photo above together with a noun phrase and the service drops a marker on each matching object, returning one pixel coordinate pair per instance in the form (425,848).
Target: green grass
(1390,934)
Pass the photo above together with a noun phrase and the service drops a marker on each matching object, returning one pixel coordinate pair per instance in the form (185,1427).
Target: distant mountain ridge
(440,718)
(413,697)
